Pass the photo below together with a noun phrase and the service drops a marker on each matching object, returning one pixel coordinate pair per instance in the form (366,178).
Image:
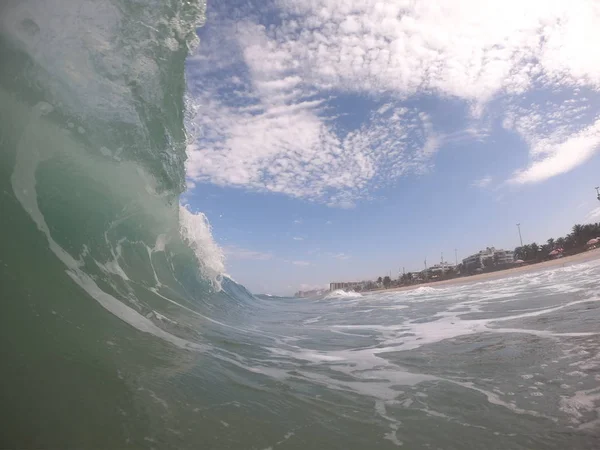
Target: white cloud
(468,48)
(237,253)
(483,182)
(593,215)
(262,93)
(292,149)
(564,157)
(301,263)
(298,238)
(340,256)
(561,136)
(297,222)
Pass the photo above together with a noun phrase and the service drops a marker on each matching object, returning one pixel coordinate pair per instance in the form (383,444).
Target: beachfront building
(438,271)
(311,293)
(346,286)
(490,257)
(504,257)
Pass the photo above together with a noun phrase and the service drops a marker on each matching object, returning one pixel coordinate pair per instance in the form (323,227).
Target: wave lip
(196,231)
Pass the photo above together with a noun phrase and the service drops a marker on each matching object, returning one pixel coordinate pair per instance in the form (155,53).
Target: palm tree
(525,252)
(520,253)
(387,281)
(379,280)
(551,244)
(545,251)
(578,234)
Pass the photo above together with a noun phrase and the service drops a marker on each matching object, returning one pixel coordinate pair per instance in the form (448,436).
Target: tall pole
(442,264)
(598,191)
(520,237)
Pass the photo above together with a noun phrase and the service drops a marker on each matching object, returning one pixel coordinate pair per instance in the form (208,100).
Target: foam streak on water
(508,343)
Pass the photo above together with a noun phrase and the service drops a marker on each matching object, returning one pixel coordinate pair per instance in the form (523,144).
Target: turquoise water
(119,331)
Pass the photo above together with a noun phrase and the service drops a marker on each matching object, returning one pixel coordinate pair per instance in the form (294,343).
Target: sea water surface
(119,329)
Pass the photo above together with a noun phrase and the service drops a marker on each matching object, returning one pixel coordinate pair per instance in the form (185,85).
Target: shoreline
(562,262)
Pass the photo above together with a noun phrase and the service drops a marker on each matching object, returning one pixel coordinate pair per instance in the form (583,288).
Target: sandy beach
(562,262)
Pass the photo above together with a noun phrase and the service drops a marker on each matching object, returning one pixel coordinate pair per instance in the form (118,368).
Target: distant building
(438,270)
(490,257)
(312,293)
(504,257)
(347,285)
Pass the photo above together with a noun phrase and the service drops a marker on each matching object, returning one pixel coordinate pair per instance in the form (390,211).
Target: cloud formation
(340,256)
(301,263)
(465,48)
(483,182)
(265,91)
(593,215)
(560,136)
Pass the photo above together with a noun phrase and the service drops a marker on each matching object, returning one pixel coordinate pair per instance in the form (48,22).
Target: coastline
(562,262)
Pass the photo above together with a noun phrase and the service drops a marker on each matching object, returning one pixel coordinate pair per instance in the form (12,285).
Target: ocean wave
(93,125)
(424,290)
(343,294)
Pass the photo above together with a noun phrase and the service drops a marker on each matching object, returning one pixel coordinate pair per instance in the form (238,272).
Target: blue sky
(337,140)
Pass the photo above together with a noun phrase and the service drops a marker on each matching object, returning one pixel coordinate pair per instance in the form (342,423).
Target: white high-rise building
(490,257)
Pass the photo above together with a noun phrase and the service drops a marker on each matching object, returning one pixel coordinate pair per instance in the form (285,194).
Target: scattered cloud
(265,87)
(483,182)
(593,215)
(340,256)
(467,49)
(237,253)
(297,222)
(292,149)
(301,263)
(561,156)
(561,136)
(298,238)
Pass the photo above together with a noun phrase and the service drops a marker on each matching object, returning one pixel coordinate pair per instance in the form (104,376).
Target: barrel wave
(120,330)
(92,168)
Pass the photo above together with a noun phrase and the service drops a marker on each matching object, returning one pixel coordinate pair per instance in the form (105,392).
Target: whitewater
(120,330)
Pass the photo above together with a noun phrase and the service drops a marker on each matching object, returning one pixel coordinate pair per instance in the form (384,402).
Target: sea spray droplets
(343,294)
(196,231)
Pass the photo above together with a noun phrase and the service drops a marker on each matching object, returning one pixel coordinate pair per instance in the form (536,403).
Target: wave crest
(343,294)
(196,231)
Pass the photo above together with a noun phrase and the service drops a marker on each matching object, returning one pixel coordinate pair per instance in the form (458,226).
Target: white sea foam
(313,320)
(425,290)
(196,231)
(161,241)
(580,404)
(343,294)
